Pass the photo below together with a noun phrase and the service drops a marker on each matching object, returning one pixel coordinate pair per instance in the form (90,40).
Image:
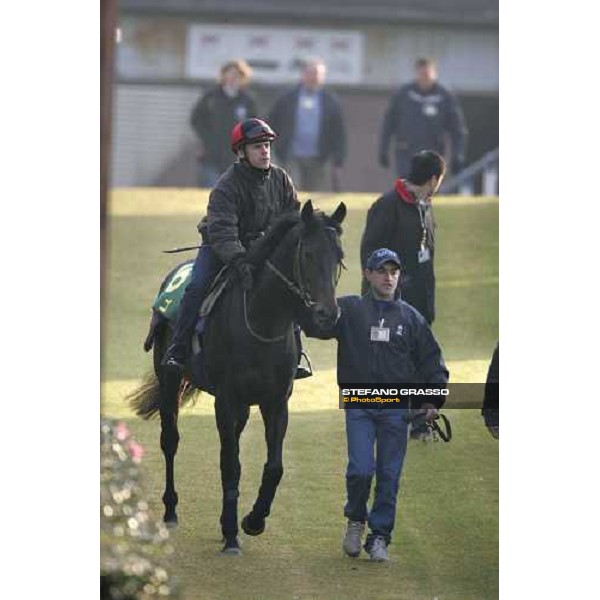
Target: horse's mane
(265,246)
(262,249)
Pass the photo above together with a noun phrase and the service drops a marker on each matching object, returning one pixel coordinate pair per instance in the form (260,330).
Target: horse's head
(319,261)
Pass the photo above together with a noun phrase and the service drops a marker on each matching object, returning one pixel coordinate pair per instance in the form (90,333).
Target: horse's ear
(340,213)
(307,211)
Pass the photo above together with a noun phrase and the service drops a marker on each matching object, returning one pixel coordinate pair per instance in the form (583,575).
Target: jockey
(246,199)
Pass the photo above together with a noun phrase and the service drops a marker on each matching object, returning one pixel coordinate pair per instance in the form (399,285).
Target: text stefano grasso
(395,391)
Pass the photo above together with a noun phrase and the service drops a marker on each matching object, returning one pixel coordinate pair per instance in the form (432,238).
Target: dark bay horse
(250,356)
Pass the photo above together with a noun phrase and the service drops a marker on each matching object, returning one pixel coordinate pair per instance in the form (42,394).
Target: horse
(250,356)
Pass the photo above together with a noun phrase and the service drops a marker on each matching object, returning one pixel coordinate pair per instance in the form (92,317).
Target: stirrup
(301,371)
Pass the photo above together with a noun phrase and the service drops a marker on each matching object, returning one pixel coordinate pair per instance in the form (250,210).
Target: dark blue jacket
(411,356)
(332,137)
(419,120)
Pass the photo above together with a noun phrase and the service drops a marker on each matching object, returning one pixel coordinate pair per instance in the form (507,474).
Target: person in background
(402,220)
(490,410)
(312,132)
(214,115)
(423,115)
(380,340)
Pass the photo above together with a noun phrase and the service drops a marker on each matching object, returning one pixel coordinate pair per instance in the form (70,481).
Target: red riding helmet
(249,132)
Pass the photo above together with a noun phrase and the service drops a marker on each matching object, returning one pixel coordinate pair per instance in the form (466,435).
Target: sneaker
(353,537)
(378,549)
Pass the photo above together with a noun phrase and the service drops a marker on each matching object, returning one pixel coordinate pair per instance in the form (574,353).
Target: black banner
(408,395)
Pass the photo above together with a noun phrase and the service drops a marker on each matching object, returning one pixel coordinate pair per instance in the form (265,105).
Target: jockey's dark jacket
(412,355)
(242,205)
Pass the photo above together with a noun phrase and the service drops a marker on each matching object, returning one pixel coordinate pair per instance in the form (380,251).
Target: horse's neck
(272,305)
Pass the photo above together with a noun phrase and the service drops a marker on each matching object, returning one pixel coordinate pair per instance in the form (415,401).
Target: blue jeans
(367,430)
(205,269)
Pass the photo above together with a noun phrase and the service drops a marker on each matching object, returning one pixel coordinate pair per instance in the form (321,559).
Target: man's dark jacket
(412,356)
(393,222)
(418,121)
(213,118)
(332,138)
(242,205)
(491,398)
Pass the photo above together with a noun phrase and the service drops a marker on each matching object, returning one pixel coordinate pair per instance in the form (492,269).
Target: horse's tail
(145,400)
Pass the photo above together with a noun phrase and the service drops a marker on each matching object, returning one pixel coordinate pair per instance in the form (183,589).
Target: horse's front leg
(275,417)
(230,423)
(169,441)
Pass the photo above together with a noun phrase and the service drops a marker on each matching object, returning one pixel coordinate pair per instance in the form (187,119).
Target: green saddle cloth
(167,301)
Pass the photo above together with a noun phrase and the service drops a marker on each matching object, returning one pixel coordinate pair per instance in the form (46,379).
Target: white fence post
(490,181)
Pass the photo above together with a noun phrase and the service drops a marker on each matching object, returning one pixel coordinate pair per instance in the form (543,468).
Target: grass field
(446,537)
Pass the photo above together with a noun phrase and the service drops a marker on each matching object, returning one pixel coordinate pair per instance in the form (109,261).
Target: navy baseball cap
(382,256)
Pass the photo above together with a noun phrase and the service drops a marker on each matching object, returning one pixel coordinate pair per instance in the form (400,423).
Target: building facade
(170,52)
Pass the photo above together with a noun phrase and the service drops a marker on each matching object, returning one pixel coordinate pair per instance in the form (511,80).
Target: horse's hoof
(232,548)
(171,521)
(249,529)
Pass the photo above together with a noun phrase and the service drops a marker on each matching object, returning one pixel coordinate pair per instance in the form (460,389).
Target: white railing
(486,168)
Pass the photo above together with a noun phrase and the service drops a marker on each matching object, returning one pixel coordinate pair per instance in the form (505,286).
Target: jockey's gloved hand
(244,271)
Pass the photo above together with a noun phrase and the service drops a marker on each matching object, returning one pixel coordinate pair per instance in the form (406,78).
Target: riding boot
(302,372)
(186,321)
(205,269)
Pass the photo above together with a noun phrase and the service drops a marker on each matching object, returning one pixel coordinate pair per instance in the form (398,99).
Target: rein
(446,436)
(298,289)
(433,425)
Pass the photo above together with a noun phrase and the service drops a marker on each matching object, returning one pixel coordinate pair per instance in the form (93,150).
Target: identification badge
(430,110)
(424,255)
(308,102)
(380,334)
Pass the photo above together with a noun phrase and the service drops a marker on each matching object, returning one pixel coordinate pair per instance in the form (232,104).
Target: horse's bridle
(298,289)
